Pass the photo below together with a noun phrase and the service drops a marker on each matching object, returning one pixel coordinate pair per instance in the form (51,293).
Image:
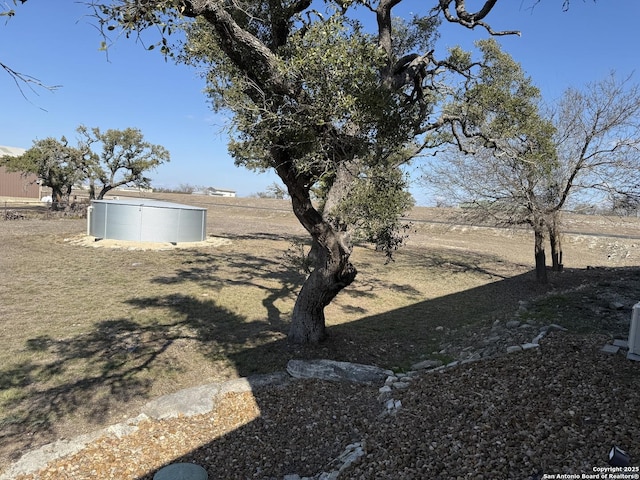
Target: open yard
(90,331)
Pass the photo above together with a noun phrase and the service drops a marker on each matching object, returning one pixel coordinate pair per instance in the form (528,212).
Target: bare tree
(22,80)
(597,142)
(515,176)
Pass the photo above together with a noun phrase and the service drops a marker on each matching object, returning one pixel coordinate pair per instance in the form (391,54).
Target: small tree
(124,158)
(502,173)
(597,143)
(273,191)
(625,205)
(524,165)
(58,166)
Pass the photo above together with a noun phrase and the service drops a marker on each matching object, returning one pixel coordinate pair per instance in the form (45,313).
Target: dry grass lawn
(89,334)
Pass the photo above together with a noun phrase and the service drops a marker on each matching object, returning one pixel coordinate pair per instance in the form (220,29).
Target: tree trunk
(332,269)
(338,191)
(540,256)
(92,190)
(321,287)
(332,272)
(56,198)
(556,248)
(105,189)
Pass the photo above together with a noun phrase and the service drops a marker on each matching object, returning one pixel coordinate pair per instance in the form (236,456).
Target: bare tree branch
(23,80)
(471,19)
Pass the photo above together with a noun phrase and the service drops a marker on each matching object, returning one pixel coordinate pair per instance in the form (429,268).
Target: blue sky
(57,43)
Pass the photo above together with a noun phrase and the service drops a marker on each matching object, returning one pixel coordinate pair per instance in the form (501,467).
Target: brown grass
(89,334)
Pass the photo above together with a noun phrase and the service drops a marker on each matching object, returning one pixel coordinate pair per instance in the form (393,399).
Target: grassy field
(90,331)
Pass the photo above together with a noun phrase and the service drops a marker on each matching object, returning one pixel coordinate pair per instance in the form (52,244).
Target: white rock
(401,385)
(539,337)
(336,371)
(555,326)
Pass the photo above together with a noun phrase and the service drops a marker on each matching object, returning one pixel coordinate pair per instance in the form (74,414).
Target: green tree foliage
(105,159)
(56,164)
(321,101)
(123,158)
(523,162)
(340,114)
(376,197)
(504,172)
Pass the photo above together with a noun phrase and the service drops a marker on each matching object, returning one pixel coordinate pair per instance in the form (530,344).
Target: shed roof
(12,151)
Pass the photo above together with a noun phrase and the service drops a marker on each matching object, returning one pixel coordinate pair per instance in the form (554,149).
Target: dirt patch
(90,241)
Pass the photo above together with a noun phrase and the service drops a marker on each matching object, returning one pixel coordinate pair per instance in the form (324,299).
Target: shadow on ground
(109,366)
(382,340)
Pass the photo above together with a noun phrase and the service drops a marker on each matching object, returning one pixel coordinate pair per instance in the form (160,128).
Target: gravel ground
(556,409)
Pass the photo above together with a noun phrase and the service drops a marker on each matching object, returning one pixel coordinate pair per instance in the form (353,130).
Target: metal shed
(146,220)
(18,184)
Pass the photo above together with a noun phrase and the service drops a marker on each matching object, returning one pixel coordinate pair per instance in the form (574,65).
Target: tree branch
(21,79)
(468,19)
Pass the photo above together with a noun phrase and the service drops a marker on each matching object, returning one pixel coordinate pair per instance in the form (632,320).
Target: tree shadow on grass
(269,275)
(93,373)
(221,334)
(389,339)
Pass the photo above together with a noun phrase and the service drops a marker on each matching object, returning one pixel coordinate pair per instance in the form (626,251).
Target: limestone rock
(426,364)
(336,371)
(401,385)
(613,349)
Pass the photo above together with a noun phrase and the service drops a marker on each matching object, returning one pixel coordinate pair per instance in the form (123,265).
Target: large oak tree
(106,160)
(320,101)
(57,165)
(114,158)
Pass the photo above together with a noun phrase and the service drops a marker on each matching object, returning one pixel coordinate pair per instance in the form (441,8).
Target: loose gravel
(557,409)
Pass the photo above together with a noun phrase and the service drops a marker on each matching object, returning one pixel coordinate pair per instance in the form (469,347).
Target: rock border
(187,402)
(201,399)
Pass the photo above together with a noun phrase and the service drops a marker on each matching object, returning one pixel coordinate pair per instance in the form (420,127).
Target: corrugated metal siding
(15,184)
(147,221)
